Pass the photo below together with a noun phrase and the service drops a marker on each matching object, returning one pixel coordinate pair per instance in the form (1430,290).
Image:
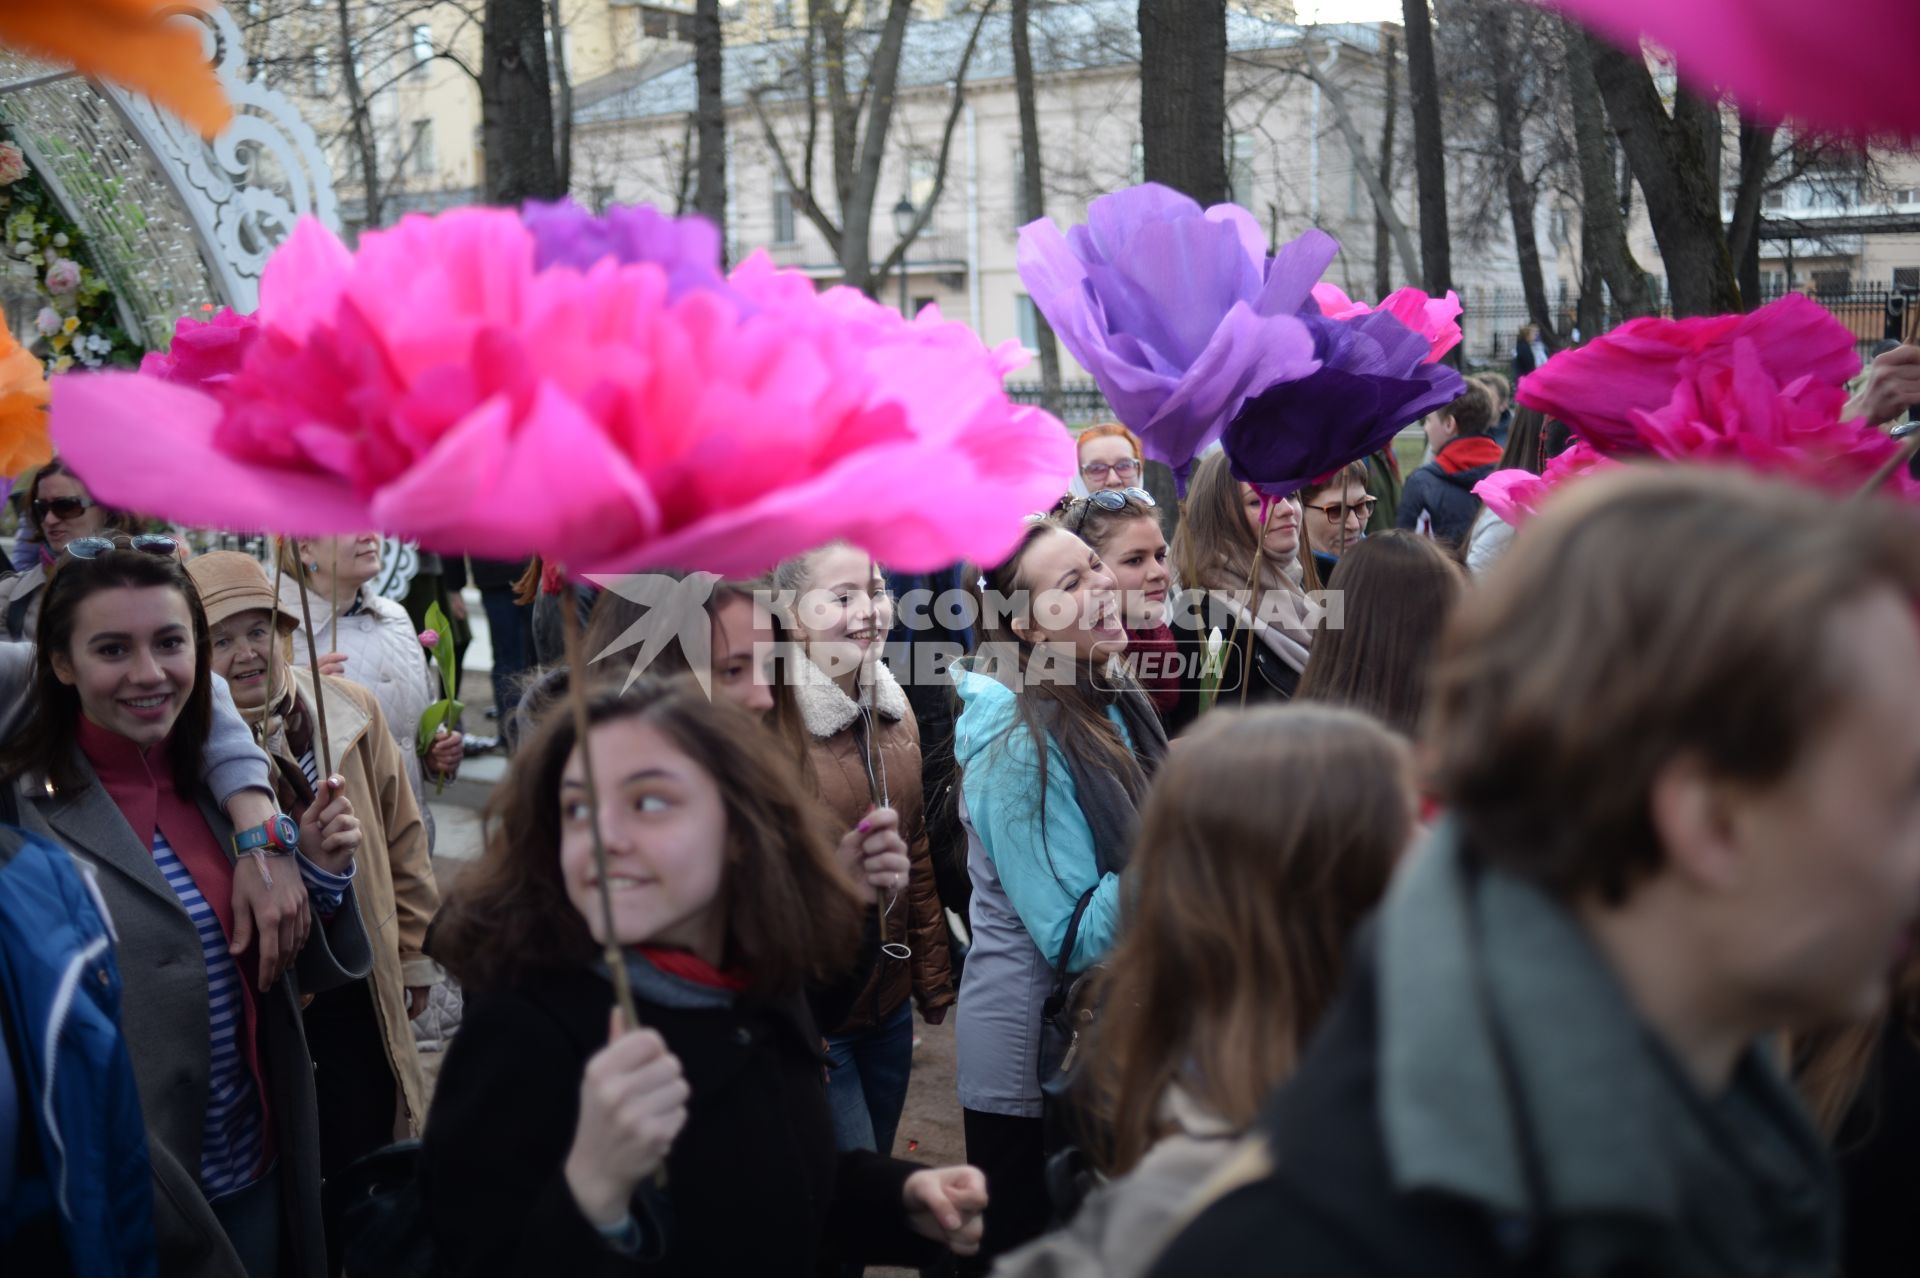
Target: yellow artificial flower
(59,341)
(62,364)
(24,442)
(134,43)
(72,325)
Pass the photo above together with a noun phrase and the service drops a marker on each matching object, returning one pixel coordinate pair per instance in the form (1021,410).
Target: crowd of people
(1337,883)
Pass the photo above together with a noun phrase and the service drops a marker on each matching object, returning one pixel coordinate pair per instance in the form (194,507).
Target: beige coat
(393,879)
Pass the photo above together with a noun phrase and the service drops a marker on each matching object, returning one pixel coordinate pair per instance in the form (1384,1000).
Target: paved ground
(930,1131)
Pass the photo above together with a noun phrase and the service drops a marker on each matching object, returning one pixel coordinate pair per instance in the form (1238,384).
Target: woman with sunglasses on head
(60,509)
(1055,747)
(1228,529)
(701,1141)
(1123,527)
(1335,511)
(378,647)
(367,1071)
(109,762)
(864,755)
(1110,457)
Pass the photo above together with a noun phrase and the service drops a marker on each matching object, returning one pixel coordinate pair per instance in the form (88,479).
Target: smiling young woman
(550,1127)
(109,763)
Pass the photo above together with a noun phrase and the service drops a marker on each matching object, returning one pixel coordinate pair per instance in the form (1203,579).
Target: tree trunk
(1513,163)
(1603,230)
(1670,156)
(1743,237)
(1036,196)
(1429,147)
(1382,234)
(710,182)
(365,144)
(563,95)
(516,105)
(1591,317)
(1183,95)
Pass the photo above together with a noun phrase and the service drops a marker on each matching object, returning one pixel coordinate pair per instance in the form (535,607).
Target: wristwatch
(278,834)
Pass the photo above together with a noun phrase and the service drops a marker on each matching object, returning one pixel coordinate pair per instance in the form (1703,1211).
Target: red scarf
(689,966)
(1163,689)
(141,786)
(1469,452)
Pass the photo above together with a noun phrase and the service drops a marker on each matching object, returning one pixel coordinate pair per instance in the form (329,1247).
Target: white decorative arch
(173,220)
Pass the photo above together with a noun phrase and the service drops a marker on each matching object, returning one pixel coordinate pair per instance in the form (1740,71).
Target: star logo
(676,610)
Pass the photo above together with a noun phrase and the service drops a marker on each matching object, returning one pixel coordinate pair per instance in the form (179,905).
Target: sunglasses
(147,543)
(1336,513)
(65,507)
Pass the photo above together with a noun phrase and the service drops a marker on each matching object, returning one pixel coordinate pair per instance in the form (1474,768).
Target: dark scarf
(1164,688)
(288,735)
(1110,811)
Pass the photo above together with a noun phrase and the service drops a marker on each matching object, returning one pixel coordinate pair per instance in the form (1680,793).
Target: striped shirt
(231,1135)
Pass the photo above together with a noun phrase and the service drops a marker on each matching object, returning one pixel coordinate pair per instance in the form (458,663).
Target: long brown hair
(792,915)
(1214,545)
(1397,591)
(1085,734)
(1832,1066)
(1234,940)
(116,520)
(49,738)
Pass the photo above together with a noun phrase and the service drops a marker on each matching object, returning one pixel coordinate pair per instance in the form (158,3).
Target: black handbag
(375,1211)
(1067,1014)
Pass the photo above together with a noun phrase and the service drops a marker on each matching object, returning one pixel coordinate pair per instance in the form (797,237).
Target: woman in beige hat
(367,1071)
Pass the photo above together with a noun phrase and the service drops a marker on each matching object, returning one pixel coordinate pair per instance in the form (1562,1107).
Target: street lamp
(903,214)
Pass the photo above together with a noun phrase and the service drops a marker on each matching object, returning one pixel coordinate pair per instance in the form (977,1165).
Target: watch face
(285,832)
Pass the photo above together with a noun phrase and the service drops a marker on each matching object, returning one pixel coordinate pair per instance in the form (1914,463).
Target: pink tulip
(429,638)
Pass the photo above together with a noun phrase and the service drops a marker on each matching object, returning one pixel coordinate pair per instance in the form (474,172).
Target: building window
(922,303)
(422,45)
(1028,320)
(421,149)
(1906,196)
(1774,201)
(922,180)
(1832,283)
(602,199)
(1906,279)
(1137,164)
(322,66)
(783,227)
(1240,170)
(782,14)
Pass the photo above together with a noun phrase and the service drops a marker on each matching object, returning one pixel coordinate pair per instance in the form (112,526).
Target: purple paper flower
(1373,378)
(1176,311)
(687,248)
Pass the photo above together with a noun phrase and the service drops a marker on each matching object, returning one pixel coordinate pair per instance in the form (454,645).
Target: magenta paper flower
(1595,389)
(1839,67)
(438,385)
(205,353)
(1517,495)
(1435,318)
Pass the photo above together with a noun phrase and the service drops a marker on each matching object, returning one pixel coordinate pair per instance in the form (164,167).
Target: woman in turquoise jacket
(1045,832)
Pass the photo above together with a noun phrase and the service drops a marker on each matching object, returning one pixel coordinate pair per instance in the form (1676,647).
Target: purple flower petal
(687,248)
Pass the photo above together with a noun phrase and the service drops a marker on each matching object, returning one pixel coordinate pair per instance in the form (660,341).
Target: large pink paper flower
(1595,389)
(1435,318)
(438,386)
(205,353)
(1843,66)
(1517,495)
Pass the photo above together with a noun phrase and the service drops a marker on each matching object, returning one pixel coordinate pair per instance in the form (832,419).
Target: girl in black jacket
(701,1143)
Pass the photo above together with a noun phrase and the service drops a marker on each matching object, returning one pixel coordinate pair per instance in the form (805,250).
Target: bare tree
(516,104)
(1605,253)
(1034,192)
(1183,95)
(562,95)
(360,118)
(1377,185)
(1382,217)
(1429,147)
(1509,64)
(1675,158)
(858,122)
(710,114)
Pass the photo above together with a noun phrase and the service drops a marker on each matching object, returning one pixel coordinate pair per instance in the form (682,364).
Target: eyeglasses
(1336,513)
(1099,470)
(65,507)
(148,543)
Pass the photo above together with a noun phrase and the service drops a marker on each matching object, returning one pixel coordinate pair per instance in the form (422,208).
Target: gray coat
(20,624)
(164,1018)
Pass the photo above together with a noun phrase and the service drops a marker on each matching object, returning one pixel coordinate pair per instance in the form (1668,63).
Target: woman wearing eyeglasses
(60,509)
(864,754)
(1123,528)
(1336,511)
(109,763)
(1109,457)
(1229,529)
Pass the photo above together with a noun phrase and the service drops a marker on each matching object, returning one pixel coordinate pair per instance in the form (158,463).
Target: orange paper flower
(24,442)
(133,43)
